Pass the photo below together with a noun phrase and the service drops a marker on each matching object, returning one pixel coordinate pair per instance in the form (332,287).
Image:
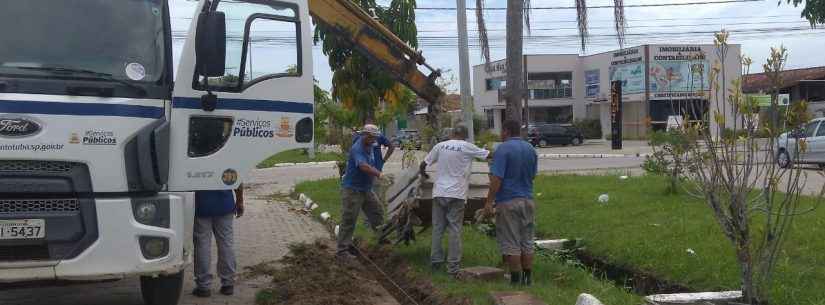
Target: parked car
(787,149)
(406,136)
(554,134)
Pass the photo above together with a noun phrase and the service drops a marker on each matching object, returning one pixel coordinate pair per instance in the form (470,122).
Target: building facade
(658,81)
(806,84)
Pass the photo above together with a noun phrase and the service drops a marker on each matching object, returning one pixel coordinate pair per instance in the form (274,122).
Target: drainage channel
(638,282)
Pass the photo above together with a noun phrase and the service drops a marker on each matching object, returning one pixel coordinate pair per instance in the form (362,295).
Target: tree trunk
(515,64)
(433,111)
(743,255)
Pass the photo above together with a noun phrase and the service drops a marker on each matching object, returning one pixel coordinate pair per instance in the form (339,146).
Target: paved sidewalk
(262,235)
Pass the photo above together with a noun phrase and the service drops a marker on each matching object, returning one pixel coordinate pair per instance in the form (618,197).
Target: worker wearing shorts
(511,188)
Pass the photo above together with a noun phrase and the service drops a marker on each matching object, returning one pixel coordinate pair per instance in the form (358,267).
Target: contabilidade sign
(679,72)
(627,66)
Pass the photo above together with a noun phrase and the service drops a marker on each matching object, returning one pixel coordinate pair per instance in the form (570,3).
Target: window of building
(491,117)
(591,83)
(496,84)
(549,85)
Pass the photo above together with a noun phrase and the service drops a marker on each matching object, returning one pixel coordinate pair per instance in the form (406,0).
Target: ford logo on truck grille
(18,127)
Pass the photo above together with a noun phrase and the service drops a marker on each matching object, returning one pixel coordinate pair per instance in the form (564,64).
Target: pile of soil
(309,275)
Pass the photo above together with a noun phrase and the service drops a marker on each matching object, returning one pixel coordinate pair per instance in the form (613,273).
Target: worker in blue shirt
(515,164)
(356,190)
(380,141)
(214,213)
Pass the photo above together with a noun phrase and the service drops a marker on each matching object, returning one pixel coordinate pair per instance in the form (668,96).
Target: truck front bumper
(117,251)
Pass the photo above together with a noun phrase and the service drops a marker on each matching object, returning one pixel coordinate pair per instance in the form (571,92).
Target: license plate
(22,229)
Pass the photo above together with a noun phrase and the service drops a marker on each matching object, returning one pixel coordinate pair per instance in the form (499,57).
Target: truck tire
(161,290)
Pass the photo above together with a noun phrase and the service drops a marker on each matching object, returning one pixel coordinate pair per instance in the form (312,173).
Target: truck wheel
(161,290)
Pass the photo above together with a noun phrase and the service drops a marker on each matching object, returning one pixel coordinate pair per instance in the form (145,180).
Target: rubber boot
(515,278)
(527,277)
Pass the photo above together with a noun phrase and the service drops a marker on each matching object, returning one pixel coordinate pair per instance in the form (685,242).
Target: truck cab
(102,145)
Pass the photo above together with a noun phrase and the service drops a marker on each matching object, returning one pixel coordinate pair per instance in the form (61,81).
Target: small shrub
(669,154)
(486,139)
(656,164)
(729,134)
(591,128)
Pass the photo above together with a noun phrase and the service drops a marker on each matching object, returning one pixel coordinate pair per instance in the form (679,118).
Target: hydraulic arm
(379,44)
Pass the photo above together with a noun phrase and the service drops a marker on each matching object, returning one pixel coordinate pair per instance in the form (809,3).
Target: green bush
(656,164)
(591,128)
(486,138)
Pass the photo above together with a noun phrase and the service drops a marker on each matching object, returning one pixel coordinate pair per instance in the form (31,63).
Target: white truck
(100,148)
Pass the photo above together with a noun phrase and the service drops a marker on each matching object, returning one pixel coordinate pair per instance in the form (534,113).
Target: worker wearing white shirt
(453,160)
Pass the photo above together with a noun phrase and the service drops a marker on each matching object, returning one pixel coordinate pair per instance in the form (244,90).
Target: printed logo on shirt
(451,147)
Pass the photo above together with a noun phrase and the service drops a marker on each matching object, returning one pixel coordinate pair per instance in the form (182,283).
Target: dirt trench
(639,282)
(310,275)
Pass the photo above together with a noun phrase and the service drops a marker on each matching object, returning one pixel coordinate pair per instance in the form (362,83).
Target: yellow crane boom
(379,44)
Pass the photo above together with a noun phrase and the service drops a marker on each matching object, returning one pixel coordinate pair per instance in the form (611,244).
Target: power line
(419,20)
(610,21)
(801,22)
(569,41)
(596,6)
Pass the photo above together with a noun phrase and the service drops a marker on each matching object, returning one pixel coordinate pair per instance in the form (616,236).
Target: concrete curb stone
(541,156)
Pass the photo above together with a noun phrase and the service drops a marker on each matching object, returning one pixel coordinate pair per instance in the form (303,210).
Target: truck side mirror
(210,44)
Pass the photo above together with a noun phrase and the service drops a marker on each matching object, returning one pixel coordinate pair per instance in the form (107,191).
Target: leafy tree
(322,101)
(814,10)
(357,84)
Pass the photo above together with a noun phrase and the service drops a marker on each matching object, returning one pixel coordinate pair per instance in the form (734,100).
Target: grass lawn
(555,282)
(296,156)
(642,228)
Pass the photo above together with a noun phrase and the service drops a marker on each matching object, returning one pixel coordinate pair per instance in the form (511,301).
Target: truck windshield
(121,39)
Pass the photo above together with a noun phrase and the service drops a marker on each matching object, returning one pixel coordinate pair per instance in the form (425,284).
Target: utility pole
(464,69)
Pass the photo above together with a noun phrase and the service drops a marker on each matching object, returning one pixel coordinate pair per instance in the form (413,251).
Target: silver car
(788,151)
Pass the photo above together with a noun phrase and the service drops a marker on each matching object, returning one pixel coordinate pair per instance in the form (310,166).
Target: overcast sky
(755,25)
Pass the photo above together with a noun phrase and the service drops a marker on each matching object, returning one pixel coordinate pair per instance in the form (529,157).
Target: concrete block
(515,298)
(481,273)
(586,299)
(551,244)
(700,298)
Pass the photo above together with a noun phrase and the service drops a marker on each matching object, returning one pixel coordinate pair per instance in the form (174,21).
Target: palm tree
(518,13)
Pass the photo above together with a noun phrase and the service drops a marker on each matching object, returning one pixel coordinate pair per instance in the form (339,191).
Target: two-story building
(658,81)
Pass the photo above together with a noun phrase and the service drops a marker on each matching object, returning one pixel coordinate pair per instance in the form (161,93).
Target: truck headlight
(154,247)
(152,211)
(145,212)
